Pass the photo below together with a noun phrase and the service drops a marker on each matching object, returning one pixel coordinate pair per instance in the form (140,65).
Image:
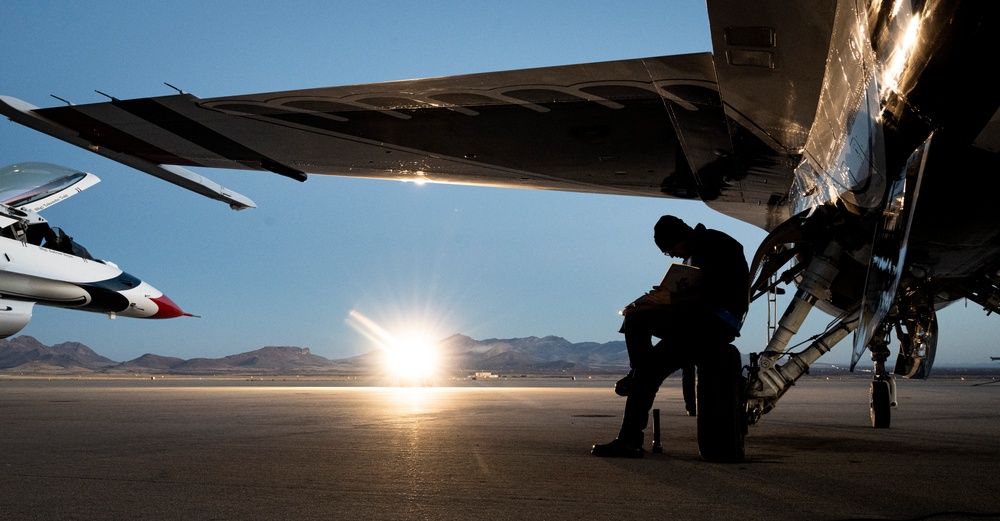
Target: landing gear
(918,334)
(722,425)
(883,390)
(837,274)
(881,404)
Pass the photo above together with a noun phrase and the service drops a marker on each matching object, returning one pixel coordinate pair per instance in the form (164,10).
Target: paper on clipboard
(679,280)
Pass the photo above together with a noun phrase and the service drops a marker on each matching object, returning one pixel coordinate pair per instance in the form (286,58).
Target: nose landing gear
(883,388)
(881,400)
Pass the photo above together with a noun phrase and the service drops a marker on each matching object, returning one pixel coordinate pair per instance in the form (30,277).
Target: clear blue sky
(486,262)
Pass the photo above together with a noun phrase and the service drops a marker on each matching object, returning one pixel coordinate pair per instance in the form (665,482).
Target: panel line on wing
(180,125)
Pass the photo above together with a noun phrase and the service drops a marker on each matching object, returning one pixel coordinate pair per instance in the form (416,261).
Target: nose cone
(166,308)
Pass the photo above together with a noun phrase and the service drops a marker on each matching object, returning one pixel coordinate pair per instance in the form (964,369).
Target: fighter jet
(41,264)
(864,136)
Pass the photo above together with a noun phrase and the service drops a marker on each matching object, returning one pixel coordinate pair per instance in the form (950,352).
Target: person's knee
(647,380)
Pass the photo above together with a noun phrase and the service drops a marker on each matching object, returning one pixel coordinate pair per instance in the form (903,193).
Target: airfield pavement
(227,449)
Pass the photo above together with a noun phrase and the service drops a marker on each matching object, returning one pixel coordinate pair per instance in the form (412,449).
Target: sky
(484,262)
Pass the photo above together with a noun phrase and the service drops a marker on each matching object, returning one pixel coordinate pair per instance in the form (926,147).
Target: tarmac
(227,449)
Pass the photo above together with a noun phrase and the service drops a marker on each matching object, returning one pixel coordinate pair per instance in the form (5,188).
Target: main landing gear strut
(768,379)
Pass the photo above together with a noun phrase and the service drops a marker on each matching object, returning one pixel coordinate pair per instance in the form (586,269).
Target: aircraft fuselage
(52,278)
(31,274)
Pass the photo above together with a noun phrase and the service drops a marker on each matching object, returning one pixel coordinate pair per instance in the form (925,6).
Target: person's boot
(618,449)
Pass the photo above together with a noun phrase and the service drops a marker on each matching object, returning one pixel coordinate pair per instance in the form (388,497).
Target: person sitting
(690,325)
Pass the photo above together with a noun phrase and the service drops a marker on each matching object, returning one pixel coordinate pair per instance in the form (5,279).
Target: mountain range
(458,353)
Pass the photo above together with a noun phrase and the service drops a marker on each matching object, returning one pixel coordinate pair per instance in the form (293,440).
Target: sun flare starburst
(410,355)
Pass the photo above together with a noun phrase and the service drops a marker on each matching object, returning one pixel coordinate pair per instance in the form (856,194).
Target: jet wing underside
(645,127)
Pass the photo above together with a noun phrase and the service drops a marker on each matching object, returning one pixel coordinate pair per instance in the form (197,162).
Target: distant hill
(26,354)
(459,353)
(533,354)
(151,362)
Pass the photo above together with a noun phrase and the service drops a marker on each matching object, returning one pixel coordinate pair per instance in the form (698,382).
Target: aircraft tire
(721,407)
(881,407)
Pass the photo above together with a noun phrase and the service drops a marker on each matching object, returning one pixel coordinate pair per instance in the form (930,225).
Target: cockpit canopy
(27,188)
(36,186)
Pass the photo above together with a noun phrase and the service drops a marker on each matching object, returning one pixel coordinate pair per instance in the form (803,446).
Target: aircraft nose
(166,308)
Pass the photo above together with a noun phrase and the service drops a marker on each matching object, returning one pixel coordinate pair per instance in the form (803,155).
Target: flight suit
(687,331)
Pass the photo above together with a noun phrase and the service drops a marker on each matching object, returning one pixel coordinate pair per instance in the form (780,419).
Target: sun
(410,356)
(413,358)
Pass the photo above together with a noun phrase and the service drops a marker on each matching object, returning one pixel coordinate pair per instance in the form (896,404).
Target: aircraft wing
(646,127)
(25,114)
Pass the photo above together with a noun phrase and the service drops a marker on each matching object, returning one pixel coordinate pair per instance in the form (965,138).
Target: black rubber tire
(881,408)
(721,407)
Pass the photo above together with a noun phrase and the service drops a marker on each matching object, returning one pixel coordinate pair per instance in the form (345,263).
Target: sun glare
(410,357)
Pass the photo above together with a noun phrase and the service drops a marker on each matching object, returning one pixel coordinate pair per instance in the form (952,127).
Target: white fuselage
(31,273)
